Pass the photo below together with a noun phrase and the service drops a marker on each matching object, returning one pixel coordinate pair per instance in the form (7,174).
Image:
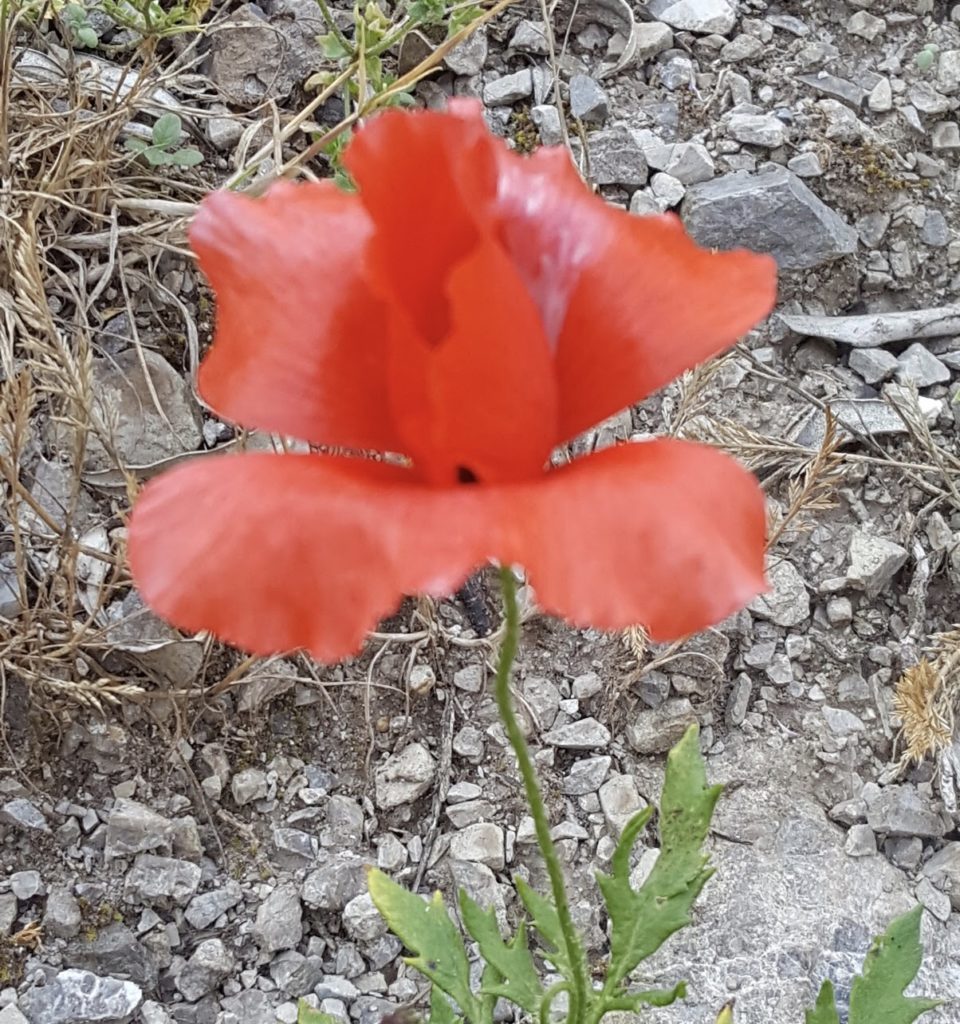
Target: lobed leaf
(641,921)
(441,1011)
(516,975)
(544,916)
(425,928)
(825,1011)
(876,996)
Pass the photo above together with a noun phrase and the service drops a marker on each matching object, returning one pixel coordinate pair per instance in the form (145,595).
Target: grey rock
(11,1015)
(547,119)
(344,822)
(667,190)
(362,920)
(927,100)
(248,785)
(943,870)
(653,688)
(866,25)
(543,699)
(588,101)
(616,158)
(26,884)
(335,883)
(917,365)
(8,912)
(21,813)
(586,775)
(468,744)
(470,678)
(586,686)
(114,952)
(835,88)
(391,853)
(657,730)
(531,37)
(740,48)
(757,129)
(480,883)
(334,986)
(509,89)
(470,811)
(468,57)
(901,811)
(935,231)
(652,37)
(860,842)
(688,162)
(404,777)
(61,916)
(805,165)
(296,975)
(251,1007)
(254,59)
(153,1013)
(930,898)
(841,722)
(772,212)
(279,920)
(873,364)
(849,812)
(161,879)
(223,133)
(945,137)
(787,603)
(871,228)
(620,801)
(904,852)
(133,828)
(839,611)
(482,842)
(123,399)
(585,734)
(874,561)
(948,72)
(295,848)
(210,963)
(880,99)
(79,997)
(206,907)
(738,703)
(704,16)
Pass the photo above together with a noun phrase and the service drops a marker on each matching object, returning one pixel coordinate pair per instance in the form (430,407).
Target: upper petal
(665,534)
(630,302)
(300,341)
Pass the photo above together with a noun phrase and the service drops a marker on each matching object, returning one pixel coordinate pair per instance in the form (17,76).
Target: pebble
(161,879)
(25,884)
(531,37)
(880,99)
(866,25)
(932,899)
(805,165)
(787,603)
(620,801)
(80,997)
(543,698)
(935,231)
(860,842)
(21,813)
(702,16)
(509,89)
(587,775)
(667,190)
(469,56)
(482,842)
(917,365)
(471,678)
(362,920)
(616,158)
(945,137)
(588,101)
(873,562)
(738,703)
(206,907)
(652,37)
(249,785)
(757,129)
(943,870)
(332,885)
(657,730)
(585,734)
(901,811)
(547,119)
(948,72)
(279,922)
(61,915)
(874,364)
(207,967)
(839,611)
(404,777)
(771,212)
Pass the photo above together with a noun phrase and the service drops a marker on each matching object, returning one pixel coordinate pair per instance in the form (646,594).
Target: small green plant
(927,57)
(151,19)
(76,21)
(163,149)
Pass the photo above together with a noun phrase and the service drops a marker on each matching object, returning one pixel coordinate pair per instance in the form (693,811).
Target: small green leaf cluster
(76,21)
(164,147)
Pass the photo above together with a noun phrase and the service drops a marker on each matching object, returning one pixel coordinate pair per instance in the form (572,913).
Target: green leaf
(332,48)
(519,981)
(641,921)
(136,145)
(825,1012)
(87,37)
(441,1012)
(306,1014)
(461,18)
(188,157)
(167,131)
(544,916)
(634,1002)
(426,929)
(157,157)
(876,996)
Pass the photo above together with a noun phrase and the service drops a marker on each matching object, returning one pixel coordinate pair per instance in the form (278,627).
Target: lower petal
(665,534)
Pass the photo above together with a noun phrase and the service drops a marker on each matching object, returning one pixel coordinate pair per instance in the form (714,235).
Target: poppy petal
(666,534)
(425,179)
(631,302)
(275,553)
(300,345)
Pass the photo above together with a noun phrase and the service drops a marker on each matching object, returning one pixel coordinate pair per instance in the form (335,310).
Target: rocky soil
(183,836)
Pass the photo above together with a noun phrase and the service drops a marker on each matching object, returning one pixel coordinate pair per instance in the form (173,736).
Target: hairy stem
(580,979)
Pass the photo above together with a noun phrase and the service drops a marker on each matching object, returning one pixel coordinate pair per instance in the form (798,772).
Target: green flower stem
(580,982)
(334,27)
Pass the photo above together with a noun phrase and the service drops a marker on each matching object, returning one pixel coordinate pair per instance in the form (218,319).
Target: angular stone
(860,842)
(616,158)
(114,952)
(61,916)
(482,842)
(620,801)
(335,883)
(79,997)
(362,920)
(588,101)
(835,88)
(787,603)
(916,365)
(279,920)
(133,828)
(943,870)
(901,811)
(210,963)
(772,212)
(930,898)
(585,734)
(866,25)
(757,129)
(880,99)
(874,561)
(23,814)
(26,884)
(11,1015)
(875,365)
(704,16)
(531,37)
(206,907)
(404,777)
(543,698)
(652,37)
(509,89)
(161,879)
(657,730)
(248,785)
(586,776)
(738,703)
(468,57)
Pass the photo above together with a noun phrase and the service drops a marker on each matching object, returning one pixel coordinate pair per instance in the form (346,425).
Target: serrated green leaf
(331,46)
(825,1011)
(544,916)
(188,157)
(641,921)
(306,1014)
(441,1012)
(426,929)
(876,996)
(634,1002)
(518,980)
(167,130)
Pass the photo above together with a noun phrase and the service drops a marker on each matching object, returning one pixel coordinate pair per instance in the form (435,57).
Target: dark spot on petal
(465,475)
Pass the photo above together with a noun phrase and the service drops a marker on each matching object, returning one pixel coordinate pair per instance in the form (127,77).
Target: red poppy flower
(470,309)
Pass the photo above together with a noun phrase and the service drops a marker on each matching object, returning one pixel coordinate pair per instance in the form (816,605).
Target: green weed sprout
(163,149)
